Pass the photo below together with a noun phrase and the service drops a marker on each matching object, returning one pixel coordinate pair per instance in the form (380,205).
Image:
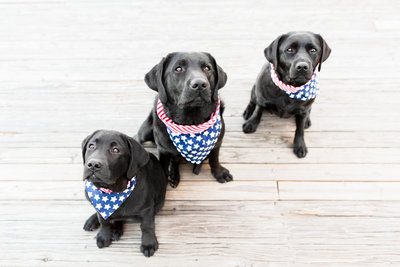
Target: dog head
(111,158)
(296,55)
(187,79)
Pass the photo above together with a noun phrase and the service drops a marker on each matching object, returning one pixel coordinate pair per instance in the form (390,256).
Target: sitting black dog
(287,85)
(186,121)
(122,181)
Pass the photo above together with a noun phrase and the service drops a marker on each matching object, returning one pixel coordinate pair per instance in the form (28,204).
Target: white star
(198,138)
(208,142)
(103,214)
(205,133)
(107,207)
(115,206)
(87,184)
(196,146)
(212,134)
(176,140)
(121,198)
(90,194)
(104,199)
(190,142)
(180,146)
(96,197)
(98,206)
(192,135)
(189,148)
(113,199)
(93,187)
(183,138)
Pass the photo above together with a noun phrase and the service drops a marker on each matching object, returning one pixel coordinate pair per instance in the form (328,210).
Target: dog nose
(199,84)
(94,164)
(302,66)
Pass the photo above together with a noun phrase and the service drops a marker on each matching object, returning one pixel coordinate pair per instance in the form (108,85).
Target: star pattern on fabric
(107,203)
(195,147)
(308,91)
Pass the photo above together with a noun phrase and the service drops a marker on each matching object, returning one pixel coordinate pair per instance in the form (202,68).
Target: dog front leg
(220,173)
(299,147)
(171,168)
(250,126)
(149,240)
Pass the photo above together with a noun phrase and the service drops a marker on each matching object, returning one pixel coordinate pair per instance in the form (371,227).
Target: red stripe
(283,86)
(186,129)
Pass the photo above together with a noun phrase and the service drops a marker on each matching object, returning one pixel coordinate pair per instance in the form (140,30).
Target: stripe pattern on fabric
(307,91)
(194,142)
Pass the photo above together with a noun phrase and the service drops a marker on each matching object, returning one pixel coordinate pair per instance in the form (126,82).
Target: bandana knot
(104,200)
(305,92)
(194,142)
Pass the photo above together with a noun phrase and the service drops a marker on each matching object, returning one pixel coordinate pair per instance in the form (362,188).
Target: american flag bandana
(104,200)
(194,142)
(307,91)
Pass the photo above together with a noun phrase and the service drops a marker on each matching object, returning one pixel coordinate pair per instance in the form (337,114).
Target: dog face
(296,55)
(111,159)
(187,79)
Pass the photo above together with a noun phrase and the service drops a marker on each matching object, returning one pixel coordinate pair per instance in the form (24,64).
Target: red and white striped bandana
(186,129)
(194,142)
(305,92)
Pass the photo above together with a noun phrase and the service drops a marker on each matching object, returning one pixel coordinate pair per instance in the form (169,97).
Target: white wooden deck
(70,67)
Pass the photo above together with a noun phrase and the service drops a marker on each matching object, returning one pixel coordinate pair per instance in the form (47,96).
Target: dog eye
(179,69)
(207,68)
(289,50)
(115,150)
(91,146)
(313,50)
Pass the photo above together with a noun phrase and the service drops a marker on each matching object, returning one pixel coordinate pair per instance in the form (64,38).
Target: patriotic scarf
(104,200)
(305,92)
(194,142)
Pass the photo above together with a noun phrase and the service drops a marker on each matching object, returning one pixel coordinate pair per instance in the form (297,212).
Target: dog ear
(271,52)
(154,79)
(85,142)
(138,157)
(221,77)
(326,51)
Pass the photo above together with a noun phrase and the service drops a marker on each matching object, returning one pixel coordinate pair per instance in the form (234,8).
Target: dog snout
(199,84)
(302,67)
(94,164)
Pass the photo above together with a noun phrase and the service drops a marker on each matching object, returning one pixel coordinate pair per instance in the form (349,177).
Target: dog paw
(116,231)
(307,123)
(249,127)
(173,181)
(149,249)
(249,111)
(103,239)
(300,150)
(222,175)
(92,223)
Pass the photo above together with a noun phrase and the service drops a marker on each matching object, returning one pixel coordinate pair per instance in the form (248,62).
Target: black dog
(295,57)
(110,160)
(187,86)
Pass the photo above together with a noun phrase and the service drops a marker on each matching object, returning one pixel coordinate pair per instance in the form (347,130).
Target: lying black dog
(188,102)
(122,181)
(293,59)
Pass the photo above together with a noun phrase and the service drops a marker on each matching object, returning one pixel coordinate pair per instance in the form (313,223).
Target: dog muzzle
(104,200)
(307,91)
(194,142)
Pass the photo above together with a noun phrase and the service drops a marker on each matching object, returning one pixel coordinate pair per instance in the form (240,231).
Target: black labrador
(187,86)
(295,57)
(110,160)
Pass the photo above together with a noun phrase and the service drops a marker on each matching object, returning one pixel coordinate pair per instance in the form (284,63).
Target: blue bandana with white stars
(107,203)
(307,91)
(195,147)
